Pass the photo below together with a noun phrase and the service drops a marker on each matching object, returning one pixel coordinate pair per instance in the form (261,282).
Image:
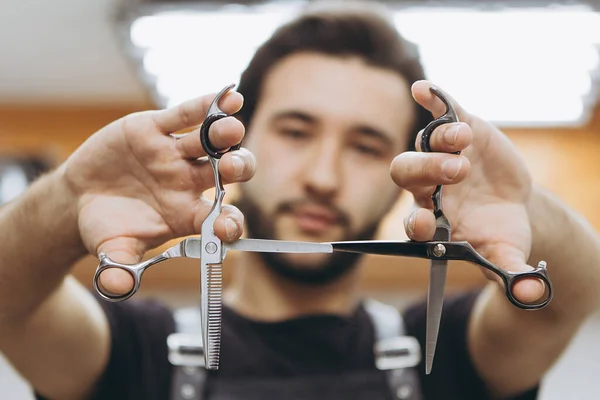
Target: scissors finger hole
(116,283)
(205,140)
(424,138)
(529,290)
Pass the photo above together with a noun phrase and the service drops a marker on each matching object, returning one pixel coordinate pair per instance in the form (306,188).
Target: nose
(323,175)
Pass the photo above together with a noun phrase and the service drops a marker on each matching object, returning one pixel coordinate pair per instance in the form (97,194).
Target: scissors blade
(191,247)
(278,246)
(435,299)
(435,302)
(212,290)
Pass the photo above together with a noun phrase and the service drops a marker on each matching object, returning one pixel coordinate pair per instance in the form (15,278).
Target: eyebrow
(361,129)
(293,114)
(374,133)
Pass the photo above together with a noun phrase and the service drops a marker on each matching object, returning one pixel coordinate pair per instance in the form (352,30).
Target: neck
(258,293)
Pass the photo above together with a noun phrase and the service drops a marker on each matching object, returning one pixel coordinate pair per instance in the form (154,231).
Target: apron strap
(186,354)
(395,353)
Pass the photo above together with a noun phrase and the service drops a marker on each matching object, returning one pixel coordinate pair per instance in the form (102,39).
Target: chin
(307,261)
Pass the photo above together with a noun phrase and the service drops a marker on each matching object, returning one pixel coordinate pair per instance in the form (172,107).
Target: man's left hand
(487,189)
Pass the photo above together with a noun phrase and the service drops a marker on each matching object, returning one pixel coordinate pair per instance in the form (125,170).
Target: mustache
(290,206)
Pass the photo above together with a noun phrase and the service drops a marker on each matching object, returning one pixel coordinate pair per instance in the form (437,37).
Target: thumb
(510,258)
(123,251)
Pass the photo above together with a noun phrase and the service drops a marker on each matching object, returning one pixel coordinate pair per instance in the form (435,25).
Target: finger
(116,281)
(414,169)
(193,112)
(234,166)
(228,225)
(448,138)
(423,96)
(237,166)
(420,225)
(222,134)
(511,259)
(422,195)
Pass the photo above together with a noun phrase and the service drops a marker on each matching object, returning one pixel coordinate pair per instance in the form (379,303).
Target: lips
(315,219)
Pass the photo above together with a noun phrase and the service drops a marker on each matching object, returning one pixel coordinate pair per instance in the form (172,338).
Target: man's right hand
(136,186)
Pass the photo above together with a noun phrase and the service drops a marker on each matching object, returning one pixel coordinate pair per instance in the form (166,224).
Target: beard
(261,226)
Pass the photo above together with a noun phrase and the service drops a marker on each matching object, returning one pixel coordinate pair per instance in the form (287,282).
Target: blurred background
(68,67)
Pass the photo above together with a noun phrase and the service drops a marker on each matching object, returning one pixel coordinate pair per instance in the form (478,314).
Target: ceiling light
(511,66)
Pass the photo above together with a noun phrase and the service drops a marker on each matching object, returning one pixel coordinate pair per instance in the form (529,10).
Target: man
(328,113)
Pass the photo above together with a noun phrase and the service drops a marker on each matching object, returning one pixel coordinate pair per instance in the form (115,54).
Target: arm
(130,187)
(46,321)
(524,345)
(491,203)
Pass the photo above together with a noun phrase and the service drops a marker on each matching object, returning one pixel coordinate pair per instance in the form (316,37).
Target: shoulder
(137,368)
(138,364)
(132,314)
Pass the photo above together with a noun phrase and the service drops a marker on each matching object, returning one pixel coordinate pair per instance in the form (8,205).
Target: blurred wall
(565,161)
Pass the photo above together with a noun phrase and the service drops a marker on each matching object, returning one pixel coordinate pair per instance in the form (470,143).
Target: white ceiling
(63,51)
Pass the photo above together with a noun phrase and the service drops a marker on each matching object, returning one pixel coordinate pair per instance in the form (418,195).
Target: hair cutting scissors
(212,252)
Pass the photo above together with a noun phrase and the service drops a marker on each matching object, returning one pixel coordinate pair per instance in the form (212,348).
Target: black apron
(395,377)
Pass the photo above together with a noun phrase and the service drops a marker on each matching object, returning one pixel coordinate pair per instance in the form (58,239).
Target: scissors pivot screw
(439,250)
(211,247)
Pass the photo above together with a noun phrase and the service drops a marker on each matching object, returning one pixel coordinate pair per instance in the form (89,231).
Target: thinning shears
(212,252)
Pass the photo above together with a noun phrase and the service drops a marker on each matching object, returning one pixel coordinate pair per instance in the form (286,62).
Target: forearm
(39,242)
(571,247)
(513,348)
(51,328)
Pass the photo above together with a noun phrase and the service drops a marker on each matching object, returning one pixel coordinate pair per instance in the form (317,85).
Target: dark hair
(338,31)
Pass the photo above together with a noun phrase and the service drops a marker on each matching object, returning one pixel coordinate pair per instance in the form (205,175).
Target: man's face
(324,132)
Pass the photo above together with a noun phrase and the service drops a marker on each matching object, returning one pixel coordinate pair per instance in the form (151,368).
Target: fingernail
(451,167)
(451,134)
(238,166)
(231,228)
(410,224)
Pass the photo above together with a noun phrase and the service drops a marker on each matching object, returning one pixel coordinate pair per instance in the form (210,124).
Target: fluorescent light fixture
(511,66)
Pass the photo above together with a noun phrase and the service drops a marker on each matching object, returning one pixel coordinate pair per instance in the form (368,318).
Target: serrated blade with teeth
(212,291)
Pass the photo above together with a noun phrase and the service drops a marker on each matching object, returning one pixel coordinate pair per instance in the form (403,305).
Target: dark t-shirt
(321,347)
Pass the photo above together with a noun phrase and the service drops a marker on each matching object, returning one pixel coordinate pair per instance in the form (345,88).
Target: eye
(367,150)
(297,134)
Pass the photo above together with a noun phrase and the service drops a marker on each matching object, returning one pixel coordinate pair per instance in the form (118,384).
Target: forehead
(339,89)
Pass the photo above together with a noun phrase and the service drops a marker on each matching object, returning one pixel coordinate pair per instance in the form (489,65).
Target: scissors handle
(189,247)
(540,273)
(428,131)
(448,250)
(464,251)
(213,115)
(448,117)
(134,270)
(209,148)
